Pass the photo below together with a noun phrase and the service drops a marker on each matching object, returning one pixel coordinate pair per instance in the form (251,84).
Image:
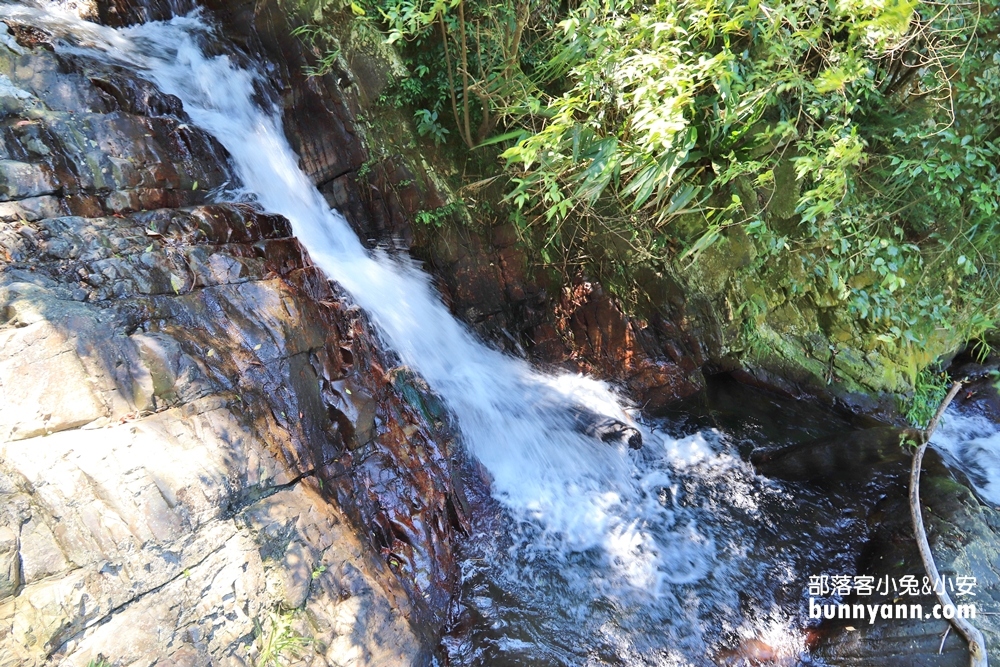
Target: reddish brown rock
(212,431)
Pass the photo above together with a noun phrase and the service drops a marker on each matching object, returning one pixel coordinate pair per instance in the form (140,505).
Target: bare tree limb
(977,645)
(464,54)
(947,630)
(451,77)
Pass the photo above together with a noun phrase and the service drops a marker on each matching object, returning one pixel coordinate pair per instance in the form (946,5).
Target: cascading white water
(971,443)
(517,421)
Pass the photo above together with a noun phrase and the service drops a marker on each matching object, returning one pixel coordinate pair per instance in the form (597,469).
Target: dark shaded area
(865,472)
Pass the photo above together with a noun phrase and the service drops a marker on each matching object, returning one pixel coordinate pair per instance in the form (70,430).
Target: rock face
(203,448)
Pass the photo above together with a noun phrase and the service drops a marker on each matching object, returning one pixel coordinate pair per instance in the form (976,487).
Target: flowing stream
(971,443)
(606,555)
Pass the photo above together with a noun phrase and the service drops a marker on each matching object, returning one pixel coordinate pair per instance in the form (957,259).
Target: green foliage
(854,145)
(980,350)
(676,118)
(928,392)
(428,125)
(468,55)
(278,642)
(437,217)
(319,38)
(405,92)
(99,663)
(366,168)
(752,311)
(995,377)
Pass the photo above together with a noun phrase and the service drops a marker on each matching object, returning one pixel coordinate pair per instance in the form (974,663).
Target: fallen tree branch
(977,645)
(947,630)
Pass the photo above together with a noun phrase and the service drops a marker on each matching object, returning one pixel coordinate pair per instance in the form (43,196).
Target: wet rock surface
(964,531)
(197,428)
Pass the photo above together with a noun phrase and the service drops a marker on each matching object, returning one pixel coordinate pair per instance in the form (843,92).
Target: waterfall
(657,556)
(520,423)
(971,443)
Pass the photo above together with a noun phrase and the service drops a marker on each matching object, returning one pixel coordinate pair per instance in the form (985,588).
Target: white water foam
(971,443)
(519,422)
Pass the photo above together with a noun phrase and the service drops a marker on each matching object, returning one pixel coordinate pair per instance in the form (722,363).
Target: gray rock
(10,563)
(296,574)
(58,395)
(41,553)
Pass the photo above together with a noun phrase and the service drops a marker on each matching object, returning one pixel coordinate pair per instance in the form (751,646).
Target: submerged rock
(606,429)
(851,458)
(873,467)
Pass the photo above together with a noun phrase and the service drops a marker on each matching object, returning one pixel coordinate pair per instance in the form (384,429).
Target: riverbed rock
(851,460)
(964,533)
(180,471)
(873,467)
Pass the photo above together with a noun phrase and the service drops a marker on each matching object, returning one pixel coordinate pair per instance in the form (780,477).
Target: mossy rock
(418,394)
(785,197)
